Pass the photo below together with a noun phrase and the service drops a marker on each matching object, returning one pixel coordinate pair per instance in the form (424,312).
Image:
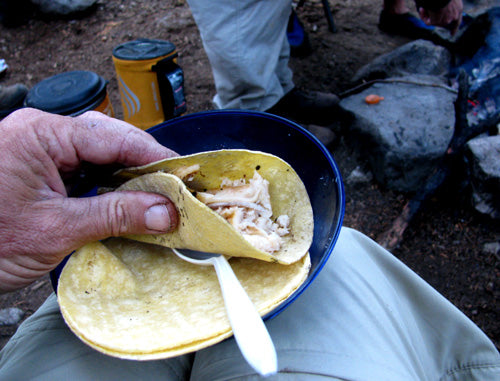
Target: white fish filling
(247,207)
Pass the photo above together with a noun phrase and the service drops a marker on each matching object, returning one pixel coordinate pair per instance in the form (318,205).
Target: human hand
(449,17)
(39,223)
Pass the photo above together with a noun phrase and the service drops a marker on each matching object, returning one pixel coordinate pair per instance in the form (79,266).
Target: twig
(367,84)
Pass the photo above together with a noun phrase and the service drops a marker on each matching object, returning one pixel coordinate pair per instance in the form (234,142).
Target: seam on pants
(468,367)
(346,356)
(298,372)
(302,368)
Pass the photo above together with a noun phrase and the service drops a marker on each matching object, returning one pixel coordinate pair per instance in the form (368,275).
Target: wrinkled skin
(448,17)
(39,223)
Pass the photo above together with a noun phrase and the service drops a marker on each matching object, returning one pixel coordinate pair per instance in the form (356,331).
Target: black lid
(66,93)
(143,49)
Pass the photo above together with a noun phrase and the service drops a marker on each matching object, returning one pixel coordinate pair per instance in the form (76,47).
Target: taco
(232,202)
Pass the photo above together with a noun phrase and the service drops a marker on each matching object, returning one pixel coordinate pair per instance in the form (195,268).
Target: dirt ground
(444,244)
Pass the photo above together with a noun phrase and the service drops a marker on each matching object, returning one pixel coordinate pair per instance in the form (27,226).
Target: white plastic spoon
(249,330)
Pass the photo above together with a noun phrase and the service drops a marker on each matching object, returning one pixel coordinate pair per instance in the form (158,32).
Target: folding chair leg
(328,15)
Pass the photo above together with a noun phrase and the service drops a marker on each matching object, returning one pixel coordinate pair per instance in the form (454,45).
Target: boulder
(417,57)
(407,133)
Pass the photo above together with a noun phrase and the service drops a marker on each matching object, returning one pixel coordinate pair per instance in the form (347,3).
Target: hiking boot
(404,24)
(308,108)
(11,98)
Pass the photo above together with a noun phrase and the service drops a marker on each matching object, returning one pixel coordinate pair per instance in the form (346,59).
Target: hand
(39,224)
(449,17)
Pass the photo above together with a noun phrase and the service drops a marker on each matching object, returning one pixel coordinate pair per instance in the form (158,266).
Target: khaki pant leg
(248,50)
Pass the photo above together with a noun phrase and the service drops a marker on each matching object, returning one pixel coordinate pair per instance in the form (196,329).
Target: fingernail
(157,218)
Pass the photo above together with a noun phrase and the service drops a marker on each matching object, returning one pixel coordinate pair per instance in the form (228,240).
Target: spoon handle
(249,330)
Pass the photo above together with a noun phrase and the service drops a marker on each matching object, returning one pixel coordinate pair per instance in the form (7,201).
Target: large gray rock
(406,134)
(483,158)
(417,57)
(63,7)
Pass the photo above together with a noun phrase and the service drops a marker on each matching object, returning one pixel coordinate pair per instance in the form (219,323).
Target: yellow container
(105,107)
(144,70)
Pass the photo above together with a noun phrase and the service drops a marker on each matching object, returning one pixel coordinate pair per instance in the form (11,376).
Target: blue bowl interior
(228,129)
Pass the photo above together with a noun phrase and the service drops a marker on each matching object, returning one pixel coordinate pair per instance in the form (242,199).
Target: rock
(10,316)
(407,133)
(177,20)
(492,248)
(358,176)
(417,57)
(483,161)
(63,7)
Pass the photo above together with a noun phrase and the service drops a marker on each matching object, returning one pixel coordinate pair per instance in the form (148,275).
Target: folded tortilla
(200,227)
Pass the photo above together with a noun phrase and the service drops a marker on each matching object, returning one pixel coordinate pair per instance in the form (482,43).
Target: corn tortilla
(139,301)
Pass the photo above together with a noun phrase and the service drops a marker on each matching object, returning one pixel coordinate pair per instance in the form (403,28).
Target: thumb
(57,226)
(115,214)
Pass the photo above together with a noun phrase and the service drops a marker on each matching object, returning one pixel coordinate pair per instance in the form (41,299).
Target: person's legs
(365,317)
(44,348)
(247,47)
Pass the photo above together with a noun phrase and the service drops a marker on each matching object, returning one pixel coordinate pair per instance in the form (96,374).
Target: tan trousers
(248,50)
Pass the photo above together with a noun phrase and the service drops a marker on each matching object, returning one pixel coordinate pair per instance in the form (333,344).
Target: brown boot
(308,108)
(12,97)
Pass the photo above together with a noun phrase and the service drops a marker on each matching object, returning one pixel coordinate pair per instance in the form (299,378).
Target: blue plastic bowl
(235,129)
